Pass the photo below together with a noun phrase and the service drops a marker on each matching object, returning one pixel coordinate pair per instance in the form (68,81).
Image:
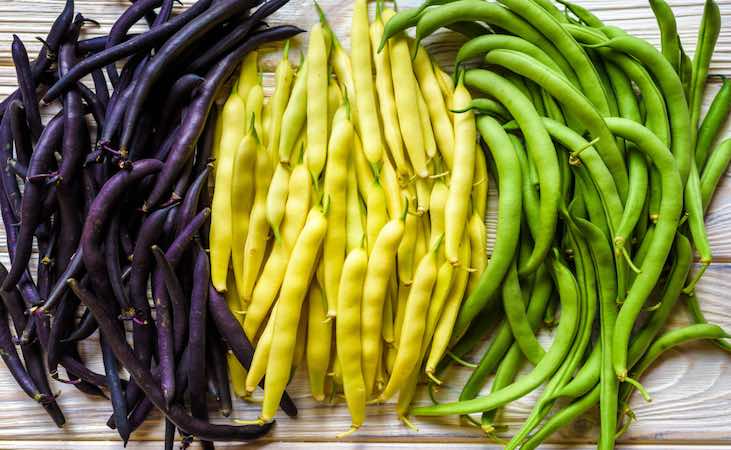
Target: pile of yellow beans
(348,219)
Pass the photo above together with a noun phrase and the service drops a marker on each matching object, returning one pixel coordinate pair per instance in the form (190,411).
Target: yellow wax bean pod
(236,371)
(334,100)
(389,358)
(283,76)
(402,296)
(248,75)
(445,277)
(386,99)
(446,85)
(481,184)
(405,92)
(445,323)
(254,105)
(370,128)
(294,116)
(440,120)
(347,334)
(265,291)
(377,216)
(423,194)
(389,181)
(261,355)
(300,345)
(354,212)
(336,378)
(381,264)
(289,306)
(317,82)
(407,248)
(256,239)
(414,325)
(363,171)
(242,198)
(266,121)
(388,318)
(460,184)
(477,231)
(276,200)
(335,192)
(406,396)
(232,131)
(437,204)
(319,341)
(430,144)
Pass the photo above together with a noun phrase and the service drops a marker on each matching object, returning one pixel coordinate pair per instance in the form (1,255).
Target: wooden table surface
(691,388)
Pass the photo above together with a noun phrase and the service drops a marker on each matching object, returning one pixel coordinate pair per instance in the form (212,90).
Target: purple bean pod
(195,119)
(27,87)
(189,205)
(119,405)
(122,50)
(20,132)
(31,211)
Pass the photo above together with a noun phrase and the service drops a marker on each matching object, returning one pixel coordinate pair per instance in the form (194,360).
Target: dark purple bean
(114,269)
(94,102)
(100,85)
(71,149)
(142,332)
(31,211)
(219,369)
(176,297)
(233,37)
(115,114)
(197,334)
(122,50)
(125,240)
(164,149)
(190,202)
(123,23)
(8,180)
(73,365)
(176,250)
(73,270)
(144,378)
(169,52)
(63,321)
(142,138)
(231,332)
(166,10)
(18,169)
(27,87)
(168,228)
(97,44)
(195,119)
(60,28)
(181,91)
(139,414)
(169,440)
(20,132)
(119,405)
(12,359)
(205,143)
(165,339)
(106,201)
(86,327)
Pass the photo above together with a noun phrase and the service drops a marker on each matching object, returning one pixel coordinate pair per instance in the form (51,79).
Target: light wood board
(691,388)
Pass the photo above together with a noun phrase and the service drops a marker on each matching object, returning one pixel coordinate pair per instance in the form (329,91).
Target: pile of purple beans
(114,191)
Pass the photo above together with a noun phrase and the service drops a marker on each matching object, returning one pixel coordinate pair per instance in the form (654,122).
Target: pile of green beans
(605,167)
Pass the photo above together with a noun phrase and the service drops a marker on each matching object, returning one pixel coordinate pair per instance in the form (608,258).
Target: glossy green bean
(669,40)
(481,45)
(712,123)
(406,18)
(715,169)
(583,14)
(510,207)
(573,53)
(540,150)
(515,312)
(707,37)
(667,224)
(564,336)
(573,100)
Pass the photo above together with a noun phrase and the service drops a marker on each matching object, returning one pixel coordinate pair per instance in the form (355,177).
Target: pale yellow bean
(363,171)
(440,118)
(283,76)
(317,82)
(386,100)
(430,144)
(407,248)
(248,75)
(319,337)
(377,216)
(261,355)
(295,114)
(460,185)
(242,198)
(478,249)
(354,211)
(394,199)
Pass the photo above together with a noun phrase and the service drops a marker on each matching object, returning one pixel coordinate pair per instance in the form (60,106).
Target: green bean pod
(712,123)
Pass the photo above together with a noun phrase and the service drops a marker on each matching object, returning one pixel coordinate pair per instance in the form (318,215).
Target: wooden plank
(691,390)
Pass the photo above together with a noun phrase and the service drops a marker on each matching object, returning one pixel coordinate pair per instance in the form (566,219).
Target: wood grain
(691,389)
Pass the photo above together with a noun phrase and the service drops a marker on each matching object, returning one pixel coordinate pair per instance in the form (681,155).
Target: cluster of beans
(604,169)
(114,191)
(369,257)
